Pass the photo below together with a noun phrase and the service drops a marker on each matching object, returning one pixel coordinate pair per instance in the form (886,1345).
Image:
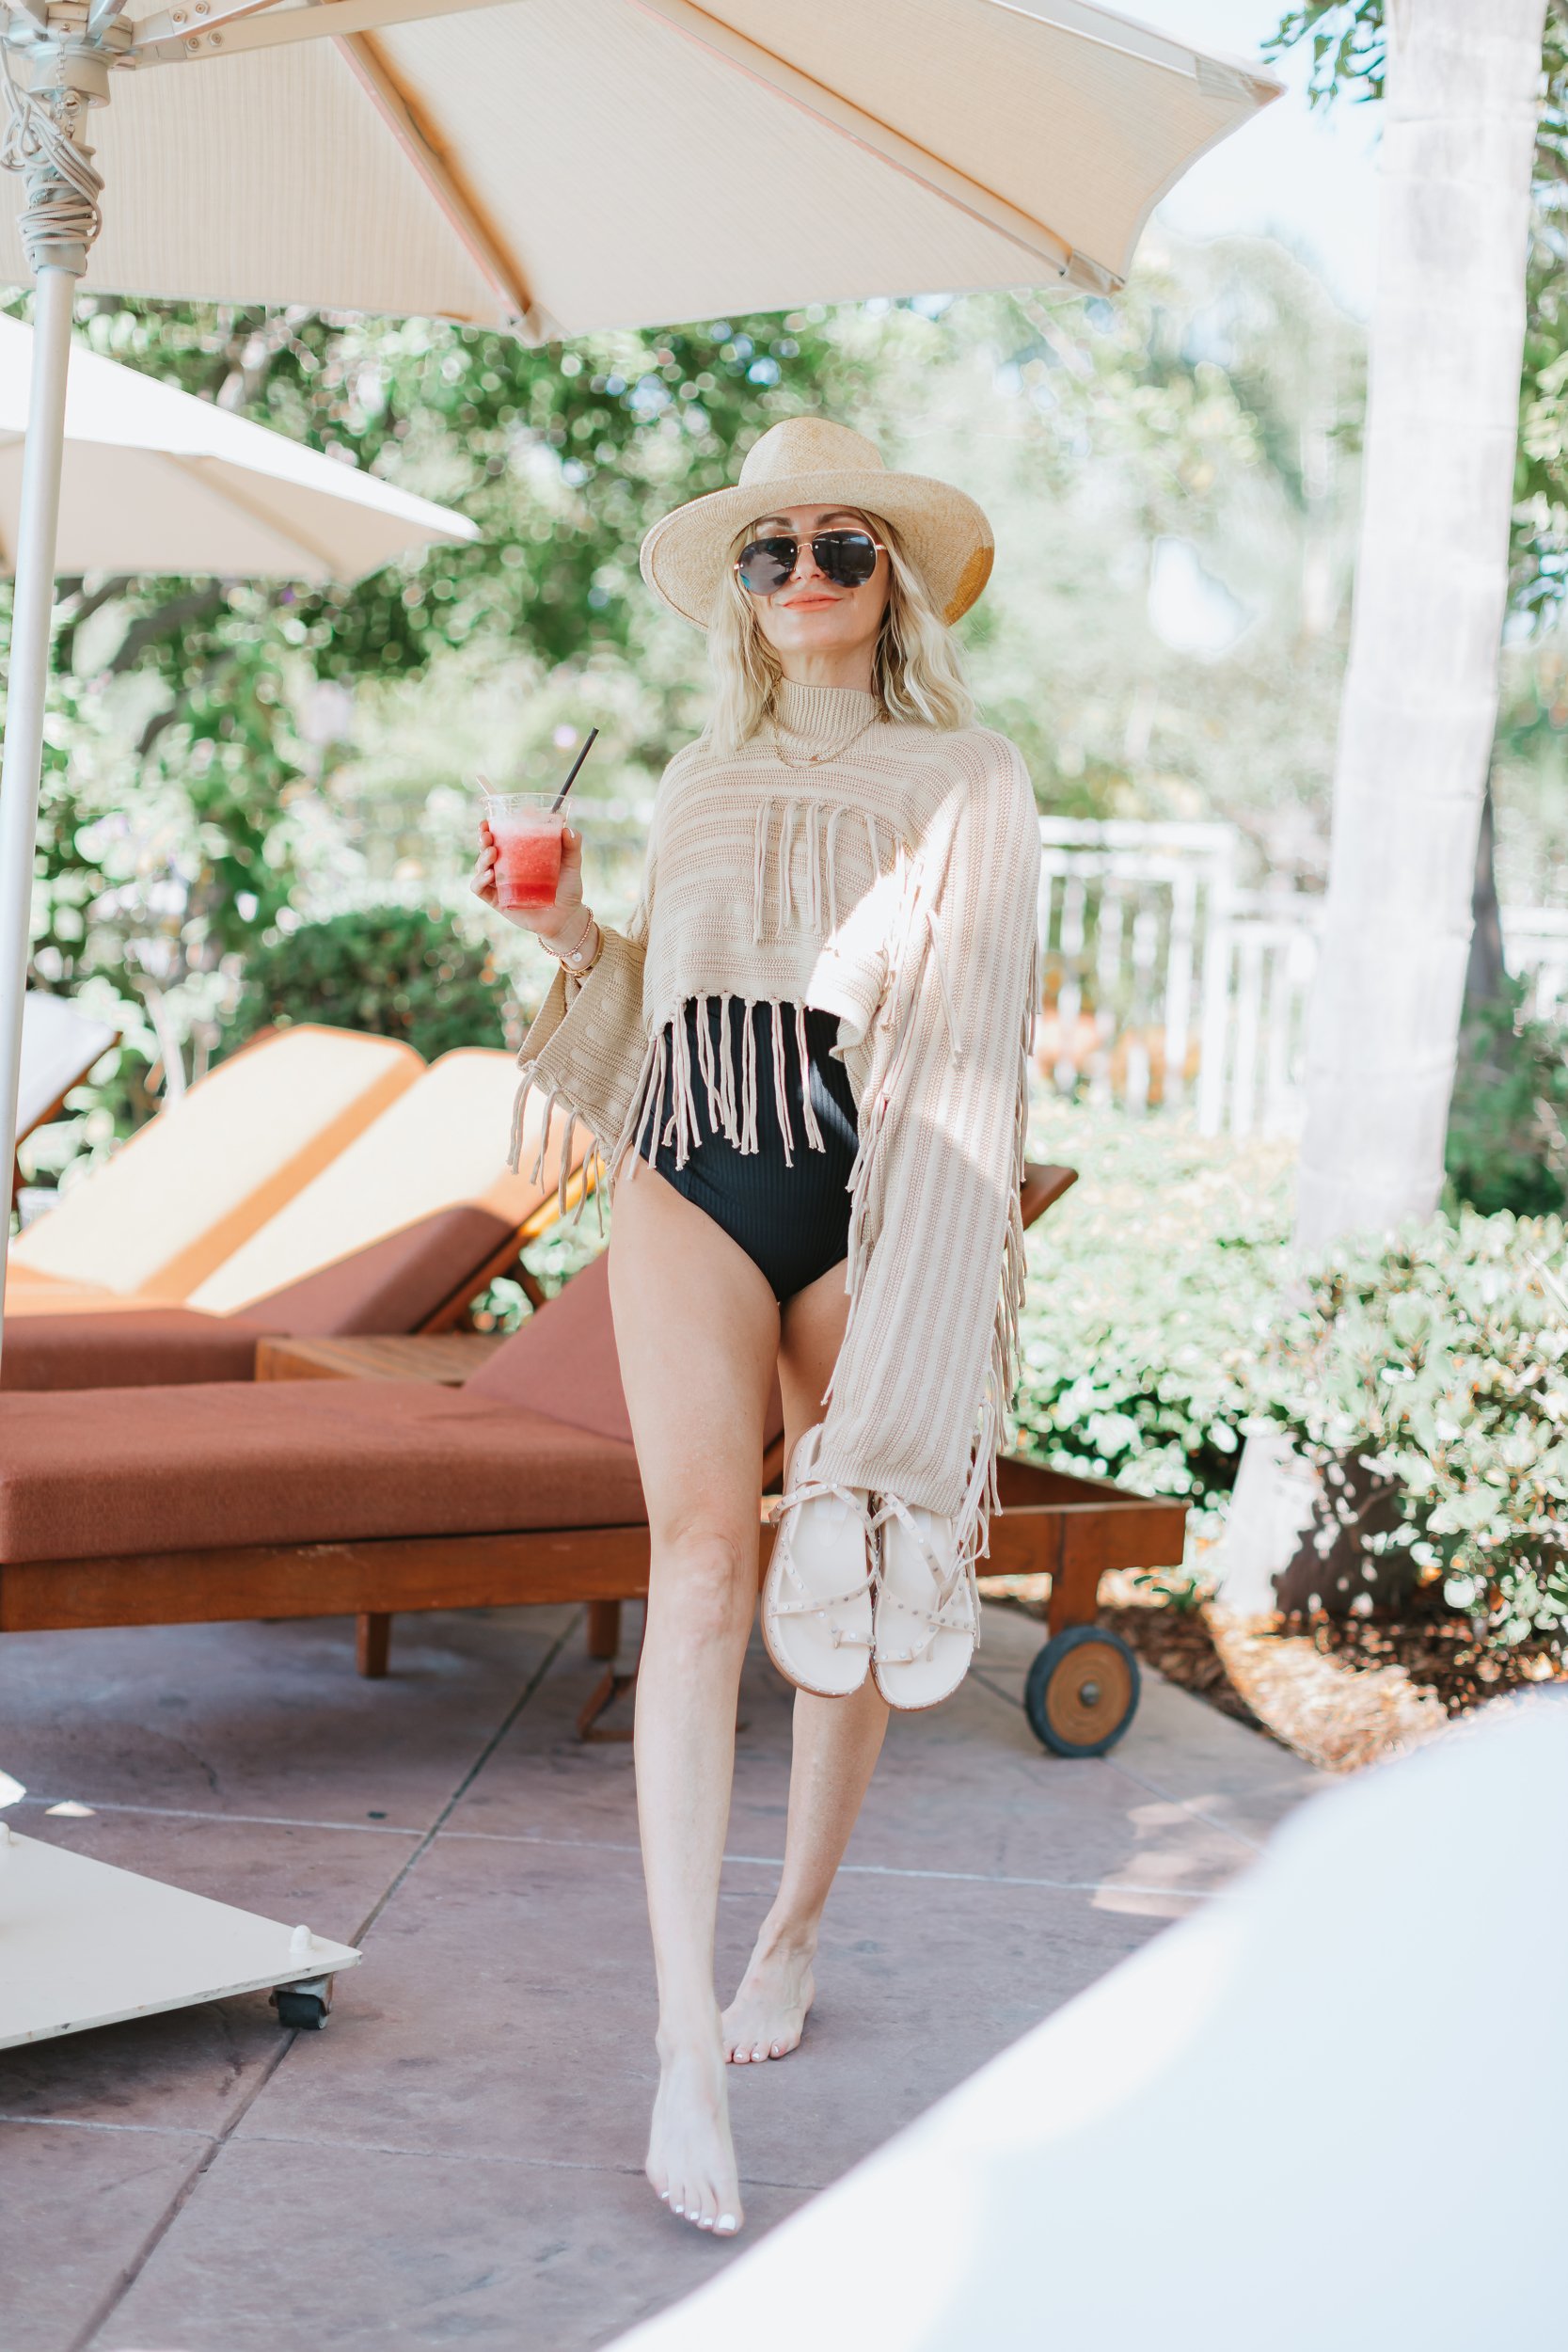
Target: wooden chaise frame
(1072,1529)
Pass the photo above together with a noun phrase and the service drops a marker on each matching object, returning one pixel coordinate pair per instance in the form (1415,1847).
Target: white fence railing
(1535,941)
(1165,983)
(1129,916)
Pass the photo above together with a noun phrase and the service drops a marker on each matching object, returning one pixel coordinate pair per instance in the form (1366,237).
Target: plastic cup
(527,833)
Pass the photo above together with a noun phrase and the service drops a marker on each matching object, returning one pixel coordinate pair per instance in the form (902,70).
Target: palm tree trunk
(1420,696)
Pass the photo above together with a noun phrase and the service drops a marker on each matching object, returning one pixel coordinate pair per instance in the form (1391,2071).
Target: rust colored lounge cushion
(127,1350)
(108,1471)
(563,1362)
(394,1284)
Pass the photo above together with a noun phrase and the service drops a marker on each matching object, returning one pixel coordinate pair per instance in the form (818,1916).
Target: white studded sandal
(927,1613)
(816,1595)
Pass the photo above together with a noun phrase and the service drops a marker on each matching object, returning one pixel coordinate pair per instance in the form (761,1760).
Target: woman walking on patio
(803,1063)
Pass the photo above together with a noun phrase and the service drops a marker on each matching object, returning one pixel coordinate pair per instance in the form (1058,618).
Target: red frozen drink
(527,834)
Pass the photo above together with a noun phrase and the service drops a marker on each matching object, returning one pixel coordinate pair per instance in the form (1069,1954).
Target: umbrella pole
(28,688)
(46,143)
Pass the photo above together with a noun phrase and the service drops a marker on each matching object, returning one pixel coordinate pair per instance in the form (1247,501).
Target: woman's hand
(564,919)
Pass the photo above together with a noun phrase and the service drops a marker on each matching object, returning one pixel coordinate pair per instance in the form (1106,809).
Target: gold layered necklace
(815,759)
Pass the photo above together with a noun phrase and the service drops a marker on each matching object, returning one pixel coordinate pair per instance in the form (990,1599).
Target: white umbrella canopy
(588,163)
(156,481)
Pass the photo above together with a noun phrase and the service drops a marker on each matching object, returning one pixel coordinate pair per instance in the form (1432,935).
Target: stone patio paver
(458,2157)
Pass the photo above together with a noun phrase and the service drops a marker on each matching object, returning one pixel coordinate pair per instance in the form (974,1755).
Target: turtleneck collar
(824,715)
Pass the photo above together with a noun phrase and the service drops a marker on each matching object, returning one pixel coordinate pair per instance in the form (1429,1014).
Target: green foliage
(562,455)
(1507,1144)
(1349,44)
(562,1250)
(1440,1363)
(398,972)
(1147,1289)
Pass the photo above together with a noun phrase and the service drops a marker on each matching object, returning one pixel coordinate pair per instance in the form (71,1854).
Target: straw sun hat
(808,462)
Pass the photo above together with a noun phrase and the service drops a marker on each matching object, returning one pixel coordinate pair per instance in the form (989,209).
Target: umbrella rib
(222,487)
(442,182)
(851,121)
(254,23)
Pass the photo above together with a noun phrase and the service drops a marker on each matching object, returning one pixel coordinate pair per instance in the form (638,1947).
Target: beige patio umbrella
(555,166)
(155,479)
(577,164)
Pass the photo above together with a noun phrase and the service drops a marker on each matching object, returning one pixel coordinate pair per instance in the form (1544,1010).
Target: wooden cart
(1082,1690)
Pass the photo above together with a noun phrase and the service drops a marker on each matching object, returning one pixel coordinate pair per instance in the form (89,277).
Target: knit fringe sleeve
(920,1394)
(583,1055)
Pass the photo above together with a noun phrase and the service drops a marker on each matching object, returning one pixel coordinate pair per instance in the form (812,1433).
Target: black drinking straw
(593,738)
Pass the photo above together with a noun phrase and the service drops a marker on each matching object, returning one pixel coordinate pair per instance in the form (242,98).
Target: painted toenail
(726,2222)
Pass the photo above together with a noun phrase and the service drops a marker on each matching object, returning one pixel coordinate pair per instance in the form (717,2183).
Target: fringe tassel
(647,1095)
(733,1099)
(810,828)
(808,1116)
(515,1147)
(749,1080)
(536,1174)
(566,1168)
(780,1085)
(759,873)
(596,1159)
(726,1074)
(707,1066)
(681,1126)
(786,862)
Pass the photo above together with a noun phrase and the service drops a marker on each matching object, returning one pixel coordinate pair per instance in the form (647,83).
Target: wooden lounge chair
(194,1184)
(60,1046)
(397,1233)
(139,1506)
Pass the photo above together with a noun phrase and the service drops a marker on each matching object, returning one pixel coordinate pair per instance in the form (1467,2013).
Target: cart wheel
(306,2011)
(1082,1692)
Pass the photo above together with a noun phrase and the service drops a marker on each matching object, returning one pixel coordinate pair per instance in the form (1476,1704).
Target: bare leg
(837,1742)
(697,1331)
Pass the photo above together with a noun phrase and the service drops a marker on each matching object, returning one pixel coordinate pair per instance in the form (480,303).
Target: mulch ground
(1341,1692)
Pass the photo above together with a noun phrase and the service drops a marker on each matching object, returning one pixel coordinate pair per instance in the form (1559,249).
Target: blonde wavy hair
(916,673)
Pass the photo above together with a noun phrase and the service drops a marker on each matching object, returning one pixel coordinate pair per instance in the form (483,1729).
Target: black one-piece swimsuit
(790,1216)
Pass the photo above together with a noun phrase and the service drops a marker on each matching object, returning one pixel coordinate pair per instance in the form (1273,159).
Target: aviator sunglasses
(847,558)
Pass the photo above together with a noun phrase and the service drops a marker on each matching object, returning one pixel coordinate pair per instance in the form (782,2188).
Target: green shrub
(1439,1362)
(402,972)
(1506,1143)
(1147,1287)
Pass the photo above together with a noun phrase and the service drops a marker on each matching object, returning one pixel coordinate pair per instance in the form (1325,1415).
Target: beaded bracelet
(580,962)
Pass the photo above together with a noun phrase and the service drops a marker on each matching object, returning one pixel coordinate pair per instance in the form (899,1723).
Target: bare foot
(691,2155)
(767,2015)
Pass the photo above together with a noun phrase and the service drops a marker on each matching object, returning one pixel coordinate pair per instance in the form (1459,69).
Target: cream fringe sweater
(888,874)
